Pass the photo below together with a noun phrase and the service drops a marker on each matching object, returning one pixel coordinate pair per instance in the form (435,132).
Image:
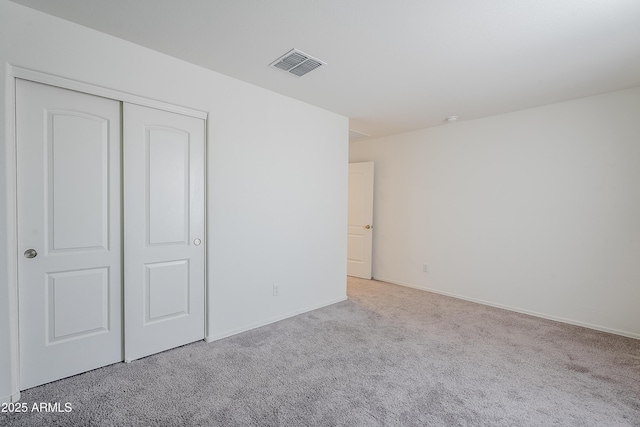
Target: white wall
(277,182)
(536,210)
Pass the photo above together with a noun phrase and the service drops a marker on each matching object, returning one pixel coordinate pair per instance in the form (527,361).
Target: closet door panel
(164,230)
(69,232)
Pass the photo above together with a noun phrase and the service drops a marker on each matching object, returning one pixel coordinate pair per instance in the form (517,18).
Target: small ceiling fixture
(297,63)
(452,119)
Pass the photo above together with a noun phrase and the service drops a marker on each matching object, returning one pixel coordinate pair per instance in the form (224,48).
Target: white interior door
(69,272)
(360,223)
(164,207)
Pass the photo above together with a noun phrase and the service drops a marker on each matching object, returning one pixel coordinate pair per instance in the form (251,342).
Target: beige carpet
(388,356)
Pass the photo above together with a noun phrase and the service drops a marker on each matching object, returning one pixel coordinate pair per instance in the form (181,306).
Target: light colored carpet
(387,356)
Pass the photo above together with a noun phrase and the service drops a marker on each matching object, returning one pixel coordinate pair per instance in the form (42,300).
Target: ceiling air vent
(354,134)
(297,63)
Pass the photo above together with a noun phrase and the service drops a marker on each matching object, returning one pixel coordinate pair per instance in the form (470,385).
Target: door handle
(367,226)
(30,253)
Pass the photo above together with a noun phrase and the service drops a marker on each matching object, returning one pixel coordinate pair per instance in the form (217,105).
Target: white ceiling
(393,66)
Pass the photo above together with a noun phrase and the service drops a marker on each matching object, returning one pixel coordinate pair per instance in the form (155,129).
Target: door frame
(13,73)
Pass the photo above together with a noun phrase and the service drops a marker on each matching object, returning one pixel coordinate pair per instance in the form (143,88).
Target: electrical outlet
(425,268)
(276,290)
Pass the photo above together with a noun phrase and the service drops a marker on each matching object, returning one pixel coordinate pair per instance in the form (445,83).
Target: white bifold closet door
(83,255)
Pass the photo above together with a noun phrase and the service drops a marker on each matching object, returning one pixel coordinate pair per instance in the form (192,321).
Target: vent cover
(297,63)
(354,134)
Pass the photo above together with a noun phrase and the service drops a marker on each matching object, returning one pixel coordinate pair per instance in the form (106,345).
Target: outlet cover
(425,268)
(276,290)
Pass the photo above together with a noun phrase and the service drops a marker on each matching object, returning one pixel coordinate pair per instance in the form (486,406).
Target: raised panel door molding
(77,156)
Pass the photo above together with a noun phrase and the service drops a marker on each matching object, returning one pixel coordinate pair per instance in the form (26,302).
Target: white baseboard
(10,399)
(228,333)
(516,309)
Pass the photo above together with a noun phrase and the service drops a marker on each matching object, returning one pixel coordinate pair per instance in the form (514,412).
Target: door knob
(30,253)
(197,242)
(367,226)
